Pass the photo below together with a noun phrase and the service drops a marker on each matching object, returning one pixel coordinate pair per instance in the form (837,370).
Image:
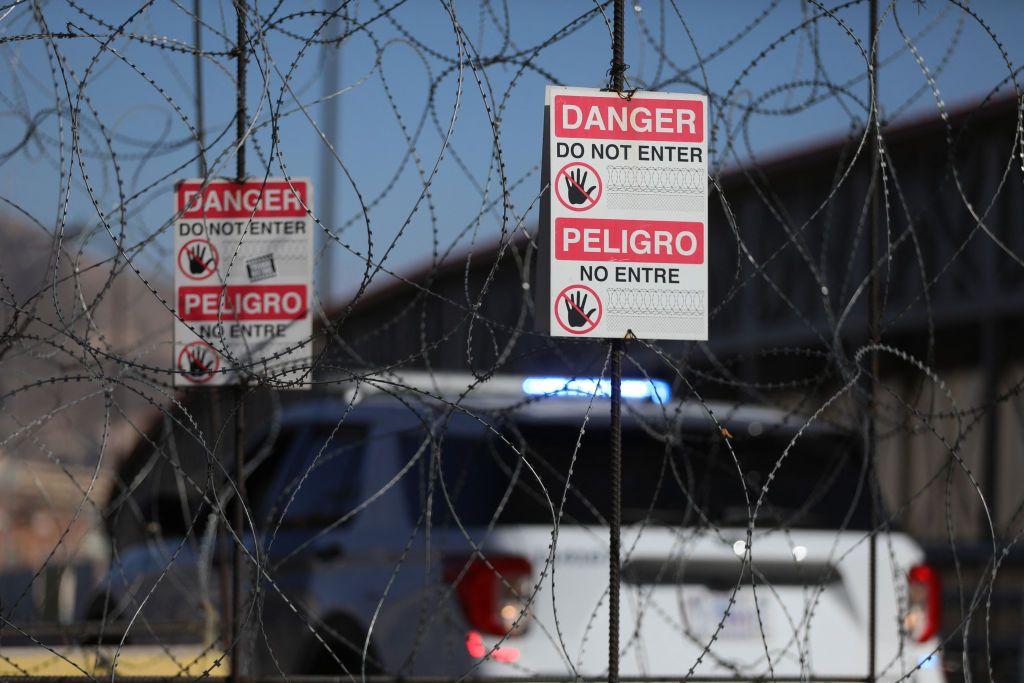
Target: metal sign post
(874,337)
(623,237)
(617,83)
(238,517)
(242,289)
(615,523)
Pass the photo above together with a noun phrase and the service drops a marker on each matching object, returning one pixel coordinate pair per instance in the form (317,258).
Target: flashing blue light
(656,390)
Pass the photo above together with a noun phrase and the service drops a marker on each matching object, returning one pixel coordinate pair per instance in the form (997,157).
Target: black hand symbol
(575,181)
(198,363)
(197,261)
(575,304)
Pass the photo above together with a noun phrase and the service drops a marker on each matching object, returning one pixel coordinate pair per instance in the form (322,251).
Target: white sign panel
(624,223)
(243,257)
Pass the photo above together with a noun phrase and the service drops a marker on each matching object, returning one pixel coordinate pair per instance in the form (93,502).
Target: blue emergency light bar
(656,390)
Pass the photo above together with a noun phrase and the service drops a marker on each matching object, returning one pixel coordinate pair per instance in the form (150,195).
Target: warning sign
(198,363)
(578,309)
(624,243)
(578,186)
(242,280)
(197,259)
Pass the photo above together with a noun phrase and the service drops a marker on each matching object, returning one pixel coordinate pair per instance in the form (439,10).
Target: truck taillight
(924,603)
(493,598)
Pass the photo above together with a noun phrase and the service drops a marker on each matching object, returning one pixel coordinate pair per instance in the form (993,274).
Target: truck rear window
(692,481)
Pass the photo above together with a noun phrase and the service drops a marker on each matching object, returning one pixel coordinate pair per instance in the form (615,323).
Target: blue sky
(394,66)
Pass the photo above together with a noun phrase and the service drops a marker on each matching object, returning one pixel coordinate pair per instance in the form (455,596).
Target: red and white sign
(197,259)
(243,279)
(197,363)
(610,117)
(226,199)
(607,239)
(578,186)
(578,309)
(625,241)
(243,302)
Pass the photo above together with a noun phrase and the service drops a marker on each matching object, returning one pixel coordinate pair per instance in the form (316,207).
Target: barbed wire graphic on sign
(274,403)
(656,301)
(655,180)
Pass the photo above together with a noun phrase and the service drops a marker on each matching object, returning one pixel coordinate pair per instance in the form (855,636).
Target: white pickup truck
(431,531)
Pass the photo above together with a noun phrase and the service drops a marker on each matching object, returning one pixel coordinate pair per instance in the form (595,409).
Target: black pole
(241,61)
(238,523)
(213,394)
(615,524)
(238,517)
(874,306)
(617,83)
(617,74)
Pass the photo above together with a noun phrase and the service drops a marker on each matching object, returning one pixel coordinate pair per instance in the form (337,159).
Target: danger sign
(604,239)
(223,199)
(624,234)
(644,116)
(197,259)
(578,309)
(243,302)
(197,362)
(242,280)
(578,186)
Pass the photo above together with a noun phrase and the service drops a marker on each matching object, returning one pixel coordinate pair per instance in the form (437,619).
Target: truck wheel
(346,640)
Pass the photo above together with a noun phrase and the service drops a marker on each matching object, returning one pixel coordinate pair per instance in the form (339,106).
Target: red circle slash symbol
(198,362)
(578,186)
(578,309)
(198,259)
